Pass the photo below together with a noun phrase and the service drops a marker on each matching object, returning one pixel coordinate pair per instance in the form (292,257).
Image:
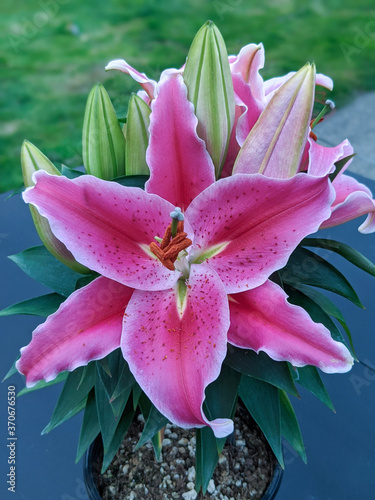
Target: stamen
(328,106)
(177,216)
(167,237)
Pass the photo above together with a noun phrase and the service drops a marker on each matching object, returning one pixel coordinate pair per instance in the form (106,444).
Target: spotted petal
(180,165)
(246,226)
(87,326)
(106,226)
(263,320)
(175,342)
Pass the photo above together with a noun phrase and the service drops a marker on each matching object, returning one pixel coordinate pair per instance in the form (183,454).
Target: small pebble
(191,473)
(190,485)
(211,486)
(190,495)
(167,442)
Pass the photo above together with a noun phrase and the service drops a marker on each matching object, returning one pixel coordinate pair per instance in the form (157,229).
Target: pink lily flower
(285,120)
(172,306)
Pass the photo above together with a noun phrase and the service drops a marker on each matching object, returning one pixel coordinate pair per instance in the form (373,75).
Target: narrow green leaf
(328,307)
(315,312)
(308,268)
(340,165)
(136,135)
(121,430)
(349,253)
(107,418)
(124,381)
(42,266)
(146,407)
(263,403)
(39,306)
(155,421)
(71,173)
(12,370)
(308,377)
(42,384)
(262,367)
(90,426)
(289,426)
(221,398)
(137,392)
(73,396)
(206,458)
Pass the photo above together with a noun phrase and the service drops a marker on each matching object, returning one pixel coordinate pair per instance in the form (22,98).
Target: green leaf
(110,377)
(262,367)
(349,253)
(328,307)
(206,457)
(263,403)
(120,433)
(125,380)
(308,377)
(146,408)
(42,384)
(315,312)
(289,426)
(90,426)
(39,306)
(107,418)
(42,266)
(340,165)
(73,396)
(71,173)
(221,397)
(137,392)
(137,134)
(12,370)
(155,421)
(308,268)
(132,180)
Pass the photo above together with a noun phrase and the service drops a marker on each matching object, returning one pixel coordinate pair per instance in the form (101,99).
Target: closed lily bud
(137,134)
(103,143)
(208,79)
(33,160)
(275,145)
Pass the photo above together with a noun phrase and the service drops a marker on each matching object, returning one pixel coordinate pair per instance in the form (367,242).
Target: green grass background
(53,51)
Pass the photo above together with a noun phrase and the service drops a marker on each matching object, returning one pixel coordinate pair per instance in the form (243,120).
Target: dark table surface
(340,446)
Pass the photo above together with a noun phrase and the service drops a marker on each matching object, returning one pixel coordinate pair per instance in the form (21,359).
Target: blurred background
(53,51)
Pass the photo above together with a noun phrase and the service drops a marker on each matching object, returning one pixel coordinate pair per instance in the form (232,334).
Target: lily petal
(179,163)
(87,326)
(246,226)
(271,85)
(145,82)
(322,159)
(175,346)
(353,199)
(106,226)
(263,320)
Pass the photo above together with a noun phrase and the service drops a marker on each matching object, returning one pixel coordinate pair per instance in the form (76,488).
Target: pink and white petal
(175,349)
(263,320)
(87,326)
(353,199)
(180,166)
(233,148)
(322,159)
(246,226)
(106,226)
(252,108)
(247,65)
(145,82)
(271,85)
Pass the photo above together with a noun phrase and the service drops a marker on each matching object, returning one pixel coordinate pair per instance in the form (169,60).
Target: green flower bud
(208,79)
(137,134)
(32,160)
(103,143)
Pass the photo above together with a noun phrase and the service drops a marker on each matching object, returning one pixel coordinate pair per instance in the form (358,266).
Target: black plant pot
(93,462)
